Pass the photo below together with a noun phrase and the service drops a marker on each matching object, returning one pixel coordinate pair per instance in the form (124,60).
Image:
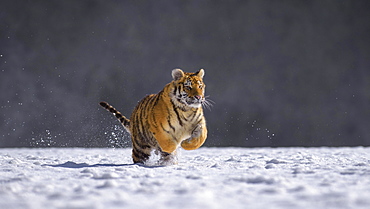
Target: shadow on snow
(71,164)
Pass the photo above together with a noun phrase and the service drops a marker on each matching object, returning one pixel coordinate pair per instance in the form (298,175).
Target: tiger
(162,122)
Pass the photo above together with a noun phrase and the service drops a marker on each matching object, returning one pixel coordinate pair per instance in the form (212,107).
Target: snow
(203,178)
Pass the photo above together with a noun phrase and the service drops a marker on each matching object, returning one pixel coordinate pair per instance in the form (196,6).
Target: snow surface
(204,178)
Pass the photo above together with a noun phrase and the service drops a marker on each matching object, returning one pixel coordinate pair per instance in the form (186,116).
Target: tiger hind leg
(140,156)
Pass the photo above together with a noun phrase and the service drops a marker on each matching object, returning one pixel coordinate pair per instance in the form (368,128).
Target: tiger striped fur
(162,122)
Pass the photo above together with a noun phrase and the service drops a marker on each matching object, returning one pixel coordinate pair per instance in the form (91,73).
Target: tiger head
(188,88)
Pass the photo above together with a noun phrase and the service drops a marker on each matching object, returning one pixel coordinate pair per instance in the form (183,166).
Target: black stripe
(180,89)
(174,91)
(138,122)
(145,102)
(199,118)
(155,122)
(104,104)
(144,146)
(140,155)
(118,115)
(169,123)
(169,115)
(126,123)
(157,98)
(164,129)
(193,115)
(112,110)
(146,135)
(184,118)
(177,113)
(149,106)
(194,74)
(140,144)
(135,144)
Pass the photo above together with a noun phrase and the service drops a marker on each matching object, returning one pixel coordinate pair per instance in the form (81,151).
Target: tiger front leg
(167,148)
(198,137)
(166,143)
(168,158)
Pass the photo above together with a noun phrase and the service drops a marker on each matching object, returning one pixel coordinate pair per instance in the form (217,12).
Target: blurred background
(280,73)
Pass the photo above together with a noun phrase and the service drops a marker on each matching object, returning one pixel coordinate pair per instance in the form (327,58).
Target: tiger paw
(168,159)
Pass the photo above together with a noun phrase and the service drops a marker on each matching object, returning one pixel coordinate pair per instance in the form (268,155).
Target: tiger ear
(177,74)
(201,73)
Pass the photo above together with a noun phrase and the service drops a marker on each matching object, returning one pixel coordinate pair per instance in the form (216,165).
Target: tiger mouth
(197,105)
(192,102)
(196,101)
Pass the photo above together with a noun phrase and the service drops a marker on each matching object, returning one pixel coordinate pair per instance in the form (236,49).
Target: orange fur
(172,118)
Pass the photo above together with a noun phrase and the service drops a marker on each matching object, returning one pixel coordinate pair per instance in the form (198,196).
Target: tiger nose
(198,97)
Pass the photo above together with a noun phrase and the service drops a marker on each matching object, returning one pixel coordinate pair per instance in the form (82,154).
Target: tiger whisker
(207,103)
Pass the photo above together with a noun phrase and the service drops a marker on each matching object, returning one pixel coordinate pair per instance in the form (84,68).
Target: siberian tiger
(162,122)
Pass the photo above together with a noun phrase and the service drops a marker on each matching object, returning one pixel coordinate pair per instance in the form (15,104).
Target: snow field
(203,178)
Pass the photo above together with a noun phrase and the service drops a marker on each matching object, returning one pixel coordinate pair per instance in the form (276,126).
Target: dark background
(281,73)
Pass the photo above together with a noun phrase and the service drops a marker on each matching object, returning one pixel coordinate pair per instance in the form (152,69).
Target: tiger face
(189,88)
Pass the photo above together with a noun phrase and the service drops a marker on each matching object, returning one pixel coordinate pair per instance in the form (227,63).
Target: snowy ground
(204,178)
